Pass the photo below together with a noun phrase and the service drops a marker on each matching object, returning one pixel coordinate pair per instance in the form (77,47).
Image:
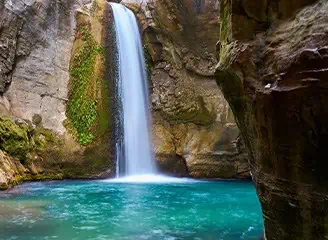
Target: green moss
(45,138)
(91,163)
(30,177)
(148,60)
(229,81)
(4,186)
(83,104)
(225,45)
(20,140)
(225,15)
(17,180)
(103,109)
(15,138)
(48,176)
(37,119)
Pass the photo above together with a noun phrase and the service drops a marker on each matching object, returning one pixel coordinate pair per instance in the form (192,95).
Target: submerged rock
(14,208)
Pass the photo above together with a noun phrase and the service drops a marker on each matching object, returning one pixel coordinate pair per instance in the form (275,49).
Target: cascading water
(133,148)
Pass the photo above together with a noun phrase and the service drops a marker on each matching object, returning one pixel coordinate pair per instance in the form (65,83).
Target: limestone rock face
(193,126)
(194,132)
(273,72)
(38,39)
(9,170)
(35,43)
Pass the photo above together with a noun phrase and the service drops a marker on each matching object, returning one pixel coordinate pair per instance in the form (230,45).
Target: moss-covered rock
(29,154)
(84,85)
(15,139)
(41,147)
(21,140)
(88,101)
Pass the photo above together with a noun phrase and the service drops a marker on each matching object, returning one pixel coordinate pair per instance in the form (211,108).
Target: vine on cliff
(82,105)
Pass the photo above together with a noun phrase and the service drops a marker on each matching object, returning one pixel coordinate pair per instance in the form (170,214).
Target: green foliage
(44,138)
(225,43)
(15,138)
(82,106)
(19,140)
(225,26)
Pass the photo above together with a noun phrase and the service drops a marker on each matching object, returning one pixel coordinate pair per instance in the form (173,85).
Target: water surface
(104,210)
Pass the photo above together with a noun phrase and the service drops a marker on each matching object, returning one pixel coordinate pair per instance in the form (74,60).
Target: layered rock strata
(194,132)
(272,70)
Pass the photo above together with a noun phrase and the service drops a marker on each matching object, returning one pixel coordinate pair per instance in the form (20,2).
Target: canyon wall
(36,43)
(271,65)
(56,99)
(194,132)
(44,47)
(272,70)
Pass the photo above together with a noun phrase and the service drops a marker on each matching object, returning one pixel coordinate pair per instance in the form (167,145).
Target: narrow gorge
(217,106)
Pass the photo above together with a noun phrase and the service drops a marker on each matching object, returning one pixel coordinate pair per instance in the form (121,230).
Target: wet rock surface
(192,123)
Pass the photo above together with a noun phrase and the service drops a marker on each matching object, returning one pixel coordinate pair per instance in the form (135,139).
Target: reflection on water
(106,210)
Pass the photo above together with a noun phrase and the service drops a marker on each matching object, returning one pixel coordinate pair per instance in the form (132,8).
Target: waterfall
(133,149)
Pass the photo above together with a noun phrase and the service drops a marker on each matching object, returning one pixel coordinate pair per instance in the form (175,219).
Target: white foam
(150,179)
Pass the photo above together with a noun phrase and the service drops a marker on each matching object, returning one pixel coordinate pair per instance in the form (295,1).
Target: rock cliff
(36,42)
(273,72)
(194,132)
(56,104)
(51,50)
